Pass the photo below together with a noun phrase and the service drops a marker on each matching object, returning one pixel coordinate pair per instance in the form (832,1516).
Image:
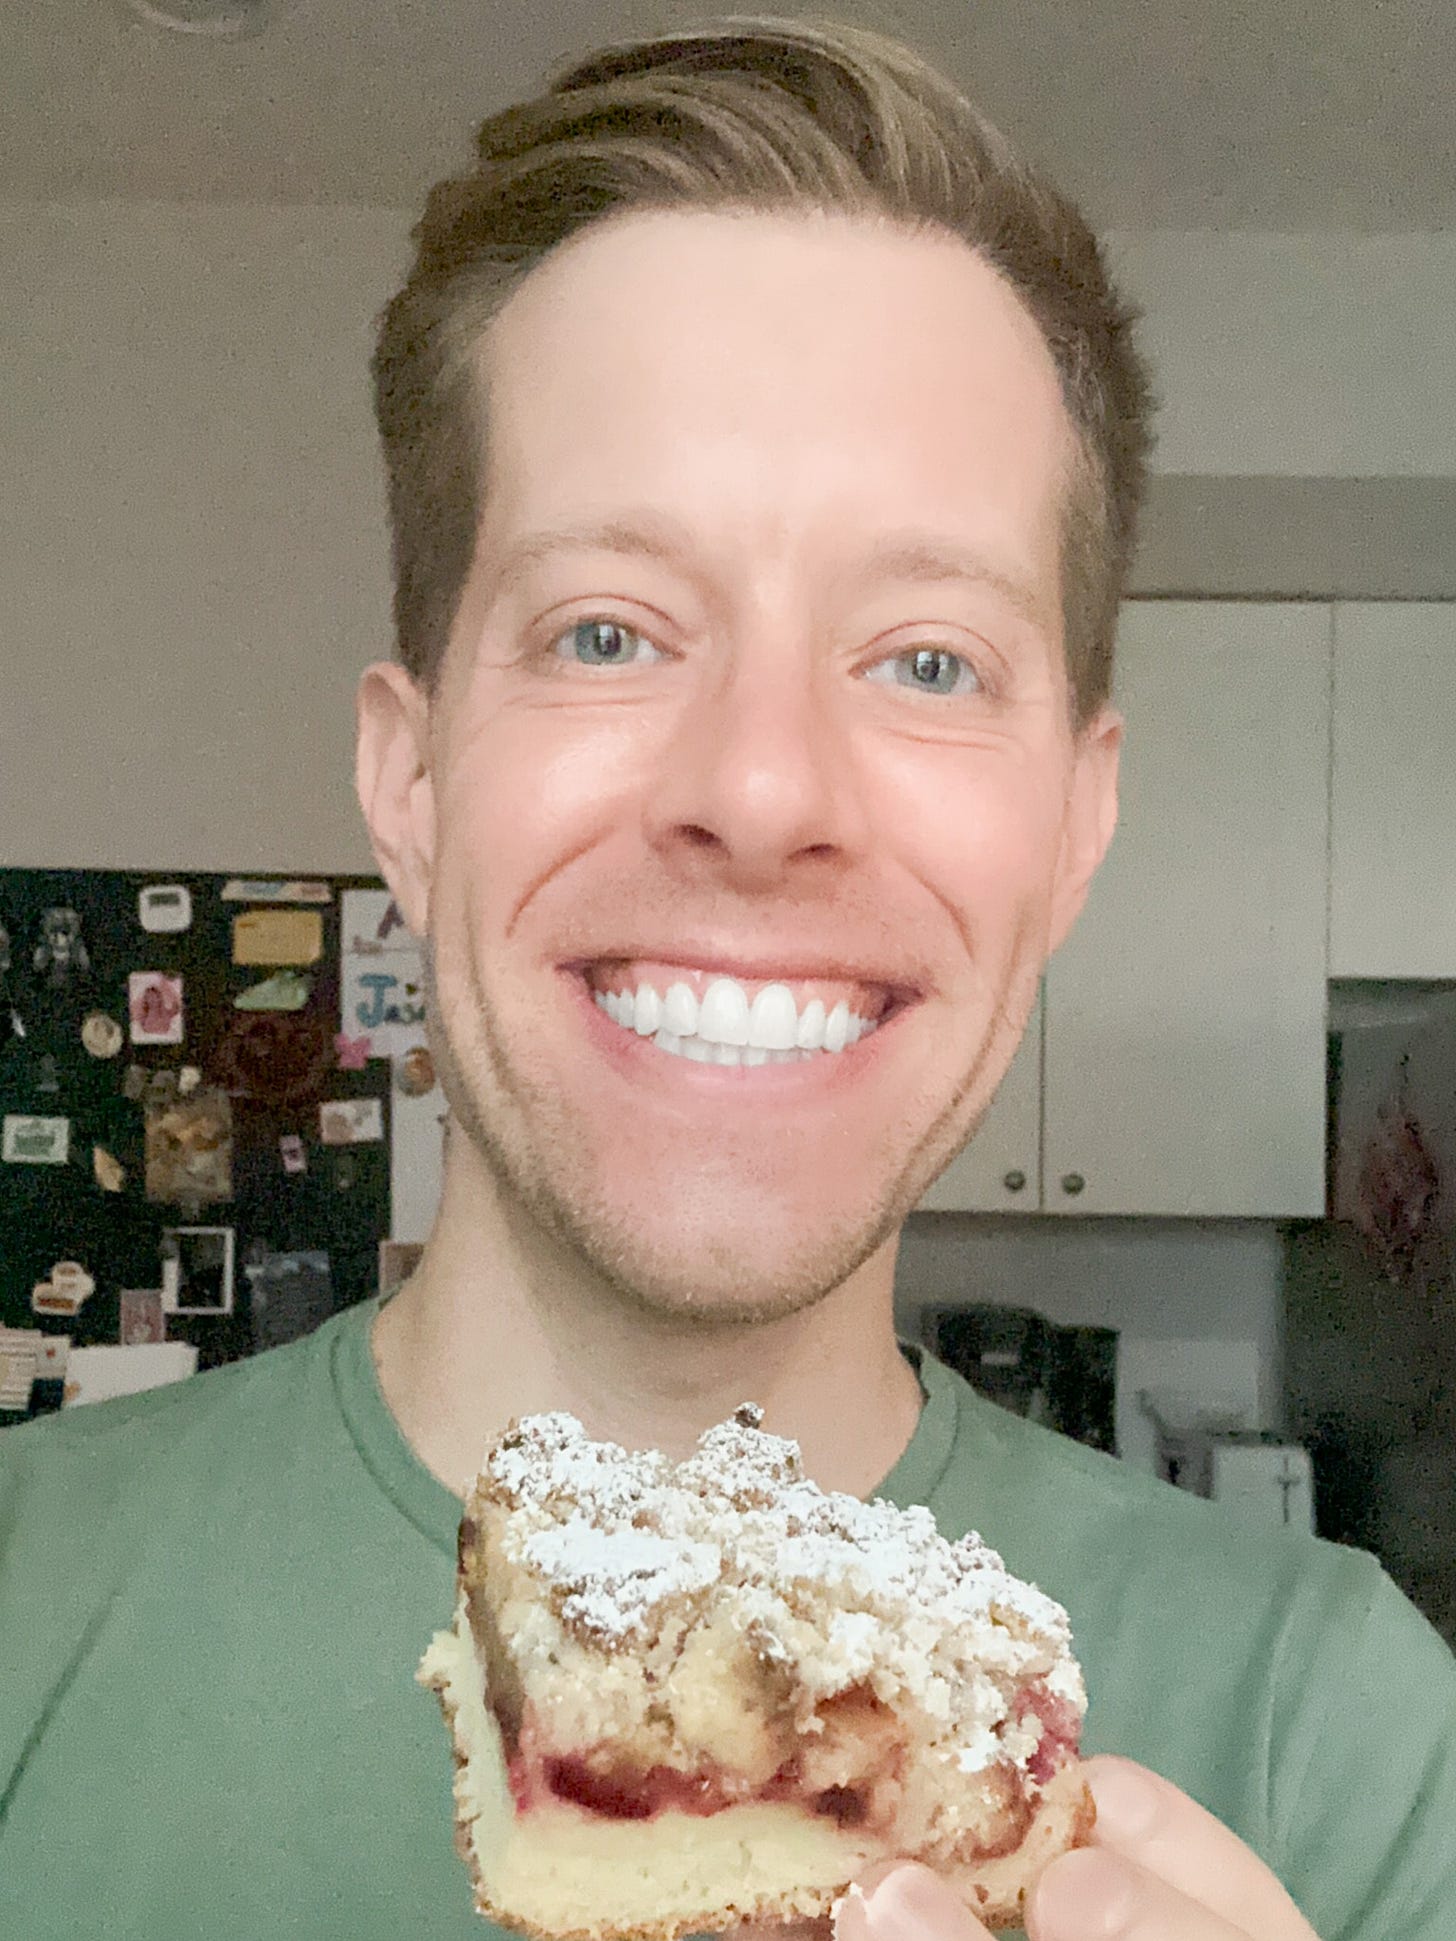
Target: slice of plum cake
(688,1694)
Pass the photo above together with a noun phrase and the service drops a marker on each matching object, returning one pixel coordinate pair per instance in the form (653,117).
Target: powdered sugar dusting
(620,1536)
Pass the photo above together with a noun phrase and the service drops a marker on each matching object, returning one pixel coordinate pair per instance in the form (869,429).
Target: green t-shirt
(213,1598)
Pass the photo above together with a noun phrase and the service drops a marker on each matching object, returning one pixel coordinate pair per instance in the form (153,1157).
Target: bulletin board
(196,1083)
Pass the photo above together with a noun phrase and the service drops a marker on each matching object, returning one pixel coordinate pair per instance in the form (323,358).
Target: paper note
(382,994)
(278,937)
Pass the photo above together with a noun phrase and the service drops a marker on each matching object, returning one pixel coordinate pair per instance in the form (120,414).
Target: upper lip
(756,966)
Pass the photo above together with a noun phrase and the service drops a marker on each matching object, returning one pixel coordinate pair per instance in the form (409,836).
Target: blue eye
(932,670)
(600,643)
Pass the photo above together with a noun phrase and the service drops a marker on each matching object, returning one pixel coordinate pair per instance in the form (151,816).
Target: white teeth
(723,1028)
(773,1021)
(647,1014)
(680,1011)
(723,1013)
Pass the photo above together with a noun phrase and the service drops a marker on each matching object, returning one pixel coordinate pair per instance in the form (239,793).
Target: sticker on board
(30,1141)
(154,1005)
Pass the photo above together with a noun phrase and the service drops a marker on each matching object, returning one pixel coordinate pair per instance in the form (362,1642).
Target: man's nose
(759,777)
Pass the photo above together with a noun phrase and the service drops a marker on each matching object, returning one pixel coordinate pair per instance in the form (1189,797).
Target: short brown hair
(769,115)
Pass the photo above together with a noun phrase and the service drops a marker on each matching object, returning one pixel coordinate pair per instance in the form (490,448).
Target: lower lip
(637,1057)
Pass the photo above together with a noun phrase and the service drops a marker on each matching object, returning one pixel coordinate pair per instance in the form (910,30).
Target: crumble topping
(629,1549)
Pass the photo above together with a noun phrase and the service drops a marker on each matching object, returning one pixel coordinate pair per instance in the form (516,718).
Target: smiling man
(764,446)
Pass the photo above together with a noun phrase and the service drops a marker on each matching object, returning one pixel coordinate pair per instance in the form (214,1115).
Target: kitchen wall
(195,567)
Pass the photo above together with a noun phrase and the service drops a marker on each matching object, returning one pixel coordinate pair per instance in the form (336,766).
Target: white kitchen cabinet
(1182,1030)
(1393,793)
(999,1169)
(1184,1062)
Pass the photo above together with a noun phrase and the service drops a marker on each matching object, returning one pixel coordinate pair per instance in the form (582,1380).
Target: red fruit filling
(849,1773)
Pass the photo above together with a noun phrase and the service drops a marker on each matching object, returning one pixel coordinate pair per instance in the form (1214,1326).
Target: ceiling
(1281,115)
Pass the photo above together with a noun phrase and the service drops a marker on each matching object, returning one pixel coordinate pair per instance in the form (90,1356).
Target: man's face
(757,683)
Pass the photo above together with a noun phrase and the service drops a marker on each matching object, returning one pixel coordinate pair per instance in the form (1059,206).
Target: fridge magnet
(47,1073)
(277,1056)
(278,937)
(109,1172)
(352,1053)
(154,1003)
(188,1080)
(197,1270)
(141,1316)
(285,990)
(134,1083)
(65,1292)
(293,1153)
(351,1122)
(164,909)
(382,983)
(189,1149)
(19,1365)
(61,953)
(259,889)
(102,1036)
(29,1141)
(414,1073)
(345,1172)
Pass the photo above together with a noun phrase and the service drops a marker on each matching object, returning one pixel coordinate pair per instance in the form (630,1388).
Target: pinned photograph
(351,1122)
(197,1270)
(189,1149)
(154,1002)
(398,1259)
(29,1141)
(142,1317)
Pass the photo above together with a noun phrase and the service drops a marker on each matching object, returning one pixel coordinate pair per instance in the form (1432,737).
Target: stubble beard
(520,1133)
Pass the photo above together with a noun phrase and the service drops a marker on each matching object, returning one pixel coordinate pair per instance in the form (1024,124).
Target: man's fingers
(904,1902)
(1146,1820)
(1098,1896)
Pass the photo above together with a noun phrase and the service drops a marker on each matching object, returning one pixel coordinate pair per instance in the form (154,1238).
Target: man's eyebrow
(915,557)
(640,538)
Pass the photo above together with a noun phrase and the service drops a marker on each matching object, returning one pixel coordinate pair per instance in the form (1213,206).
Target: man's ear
(1091,818)
(395,787)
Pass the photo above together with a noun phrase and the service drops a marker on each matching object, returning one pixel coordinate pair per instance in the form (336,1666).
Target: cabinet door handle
(1072,1182)
(1014,1181)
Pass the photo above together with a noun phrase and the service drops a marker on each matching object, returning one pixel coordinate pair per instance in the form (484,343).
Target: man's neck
(482,1334)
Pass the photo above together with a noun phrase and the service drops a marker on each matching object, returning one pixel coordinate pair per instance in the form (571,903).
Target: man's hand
(1160,1869)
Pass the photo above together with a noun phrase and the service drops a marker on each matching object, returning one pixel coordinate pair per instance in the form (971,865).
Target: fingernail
(1085,1896)
(902,1902)
(1127,1803)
